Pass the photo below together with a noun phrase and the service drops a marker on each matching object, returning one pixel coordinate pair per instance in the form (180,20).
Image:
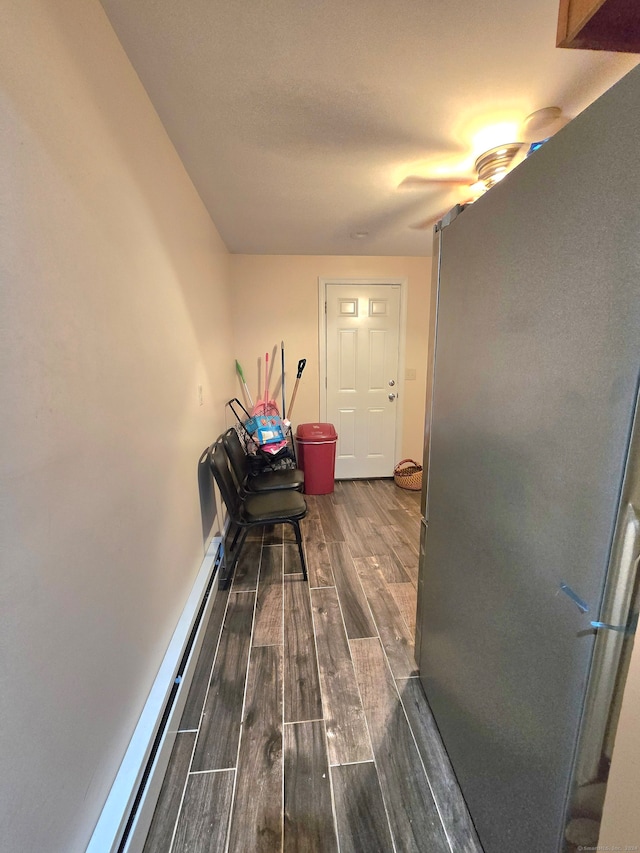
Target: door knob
(392,396)
(392,382)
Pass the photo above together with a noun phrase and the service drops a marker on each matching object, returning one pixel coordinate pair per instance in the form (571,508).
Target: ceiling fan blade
(426,224)
(417,181)
(542,124)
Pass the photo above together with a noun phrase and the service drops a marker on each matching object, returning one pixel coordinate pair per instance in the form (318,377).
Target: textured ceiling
(297,120)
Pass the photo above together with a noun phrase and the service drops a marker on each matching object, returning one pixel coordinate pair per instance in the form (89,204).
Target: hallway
(306,728)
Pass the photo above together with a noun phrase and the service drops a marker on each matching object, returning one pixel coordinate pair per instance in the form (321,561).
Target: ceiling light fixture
(494,164)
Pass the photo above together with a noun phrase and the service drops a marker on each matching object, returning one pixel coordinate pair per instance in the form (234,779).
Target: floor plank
(273,534)
(407,523)
(444,784)
(386,492)
(404,555)
(405,596)
(355,609)
(414,820)
(409,500)
(255,533)
(301,683)
(299,755)
(164,817)
(360,813)
(377,495)
(217,743)
(313,505)
(367,539)
(330,525)
(406,546)
(268,626)
(392,569)
(347,735)
(288,534)
(245,576)
(308,816)
(204,817)
(404,499)
(315,548)
(292,564)
(256,822)
(356,530)
(396,638)
(351,499)
(202,673)
(338,495)
(374,509)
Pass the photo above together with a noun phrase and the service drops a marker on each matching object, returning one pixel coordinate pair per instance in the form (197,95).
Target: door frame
(402,282)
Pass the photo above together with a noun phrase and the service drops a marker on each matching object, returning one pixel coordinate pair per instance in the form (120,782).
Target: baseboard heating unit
(127,813)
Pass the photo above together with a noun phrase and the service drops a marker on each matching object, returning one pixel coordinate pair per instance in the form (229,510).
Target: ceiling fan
(495,163)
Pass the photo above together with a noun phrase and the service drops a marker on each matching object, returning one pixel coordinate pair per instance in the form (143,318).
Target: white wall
(275,297)
(113,308)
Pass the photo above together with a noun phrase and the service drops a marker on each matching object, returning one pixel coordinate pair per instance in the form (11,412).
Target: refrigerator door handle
(618,607)
(620,596)
(629,629)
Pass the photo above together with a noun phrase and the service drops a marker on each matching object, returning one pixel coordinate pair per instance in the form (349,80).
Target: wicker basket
(408,478)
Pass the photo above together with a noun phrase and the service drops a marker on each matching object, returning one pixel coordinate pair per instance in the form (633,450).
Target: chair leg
(233,555)
(240,538)
(235,538)
(296,529)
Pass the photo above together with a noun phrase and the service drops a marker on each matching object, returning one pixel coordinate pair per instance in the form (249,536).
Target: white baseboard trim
(126,792)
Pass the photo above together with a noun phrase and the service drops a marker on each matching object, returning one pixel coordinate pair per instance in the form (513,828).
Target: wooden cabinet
(599,25)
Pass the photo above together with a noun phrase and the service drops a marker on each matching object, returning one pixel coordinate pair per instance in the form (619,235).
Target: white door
(363,334)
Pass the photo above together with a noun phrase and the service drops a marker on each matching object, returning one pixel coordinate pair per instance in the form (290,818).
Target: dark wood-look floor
(306,727)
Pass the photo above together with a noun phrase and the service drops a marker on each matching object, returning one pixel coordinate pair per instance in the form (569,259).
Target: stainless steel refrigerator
(530,545)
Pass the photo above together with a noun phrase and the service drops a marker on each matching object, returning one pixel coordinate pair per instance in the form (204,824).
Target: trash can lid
(316,432)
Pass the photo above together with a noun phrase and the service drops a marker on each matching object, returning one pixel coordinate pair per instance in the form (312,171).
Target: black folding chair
(255,510)
(265,481)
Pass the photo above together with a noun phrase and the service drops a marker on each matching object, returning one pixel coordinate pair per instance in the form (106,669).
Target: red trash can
(317,457)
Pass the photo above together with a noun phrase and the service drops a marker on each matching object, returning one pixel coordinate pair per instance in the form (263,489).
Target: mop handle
(301,366)
(283,398)
(244,382)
